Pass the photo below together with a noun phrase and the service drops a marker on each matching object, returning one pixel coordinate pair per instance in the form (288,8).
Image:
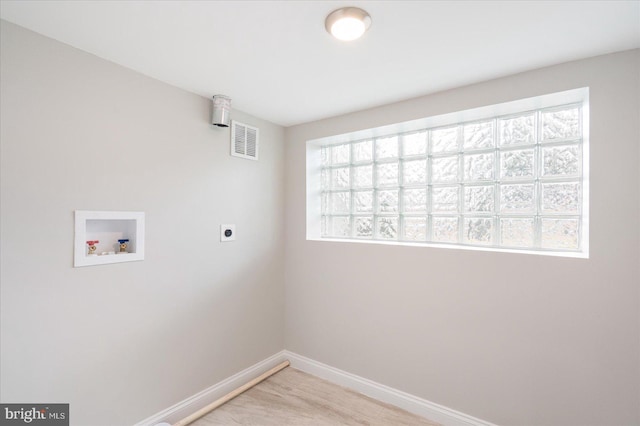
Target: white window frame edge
(313,165)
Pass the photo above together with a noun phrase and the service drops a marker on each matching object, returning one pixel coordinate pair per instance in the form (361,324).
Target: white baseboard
(430,410)
(195,402)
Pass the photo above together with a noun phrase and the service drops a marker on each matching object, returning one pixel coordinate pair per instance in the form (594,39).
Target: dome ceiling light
(348,23)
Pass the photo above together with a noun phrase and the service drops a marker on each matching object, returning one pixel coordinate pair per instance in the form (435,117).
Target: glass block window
(506,181)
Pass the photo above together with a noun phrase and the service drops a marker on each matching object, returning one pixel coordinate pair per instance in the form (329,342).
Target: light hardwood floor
(294,398)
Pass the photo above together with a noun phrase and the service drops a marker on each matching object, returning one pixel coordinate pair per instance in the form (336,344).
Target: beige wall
(509,338)
(122,342)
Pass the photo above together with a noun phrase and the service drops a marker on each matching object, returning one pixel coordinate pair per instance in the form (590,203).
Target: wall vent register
(244,140)
(507,177)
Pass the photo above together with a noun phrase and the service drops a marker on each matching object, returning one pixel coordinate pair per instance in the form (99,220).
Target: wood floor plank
(294,398)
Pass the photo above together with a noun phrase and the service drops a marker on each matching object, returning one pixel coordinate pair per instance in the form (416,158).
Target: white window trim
(313,166)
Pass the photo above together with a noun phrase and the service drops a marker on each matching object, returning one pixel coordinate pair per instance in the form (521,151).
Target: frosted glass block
(363,176)
(444,229)
(341,154)
(517,198)
(563,124)
(325,225)
(560,233)
(325,153)
(387,228)
(387,174)
(517,130)
(444,140)
(363,226)
(561,160)
(340,226)
(414,172)
(414,144)
(415,229)
(517,164)
(388,201)
(387,147)
(444,169)
(363,151)
(561,197)
(363,201)
(479,198)
(414,200)
(340,178)
(325,203)
(478,230)
(340,202)
(517,232)
(478,135)
(445,199)
(325,178)
(479,167)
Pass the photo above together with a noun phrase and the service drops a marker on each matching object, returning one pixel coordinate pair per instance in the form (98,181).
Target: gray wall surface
(121,342)
(510,338)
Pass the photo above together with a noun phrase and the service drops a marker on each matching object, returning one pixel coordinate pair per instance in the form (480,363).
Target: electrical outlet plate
(227,233)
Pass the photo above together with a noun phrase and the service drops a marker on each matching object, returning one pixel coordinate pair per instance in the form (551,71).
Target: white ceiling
(276,61)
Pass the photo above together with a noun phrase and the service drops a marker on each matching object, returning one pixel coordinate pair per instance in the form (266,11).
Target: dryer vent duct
(221,115)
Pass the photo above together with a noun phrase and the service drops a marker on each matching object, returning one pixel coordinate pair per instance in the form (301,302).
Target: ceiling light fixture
(348,23)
